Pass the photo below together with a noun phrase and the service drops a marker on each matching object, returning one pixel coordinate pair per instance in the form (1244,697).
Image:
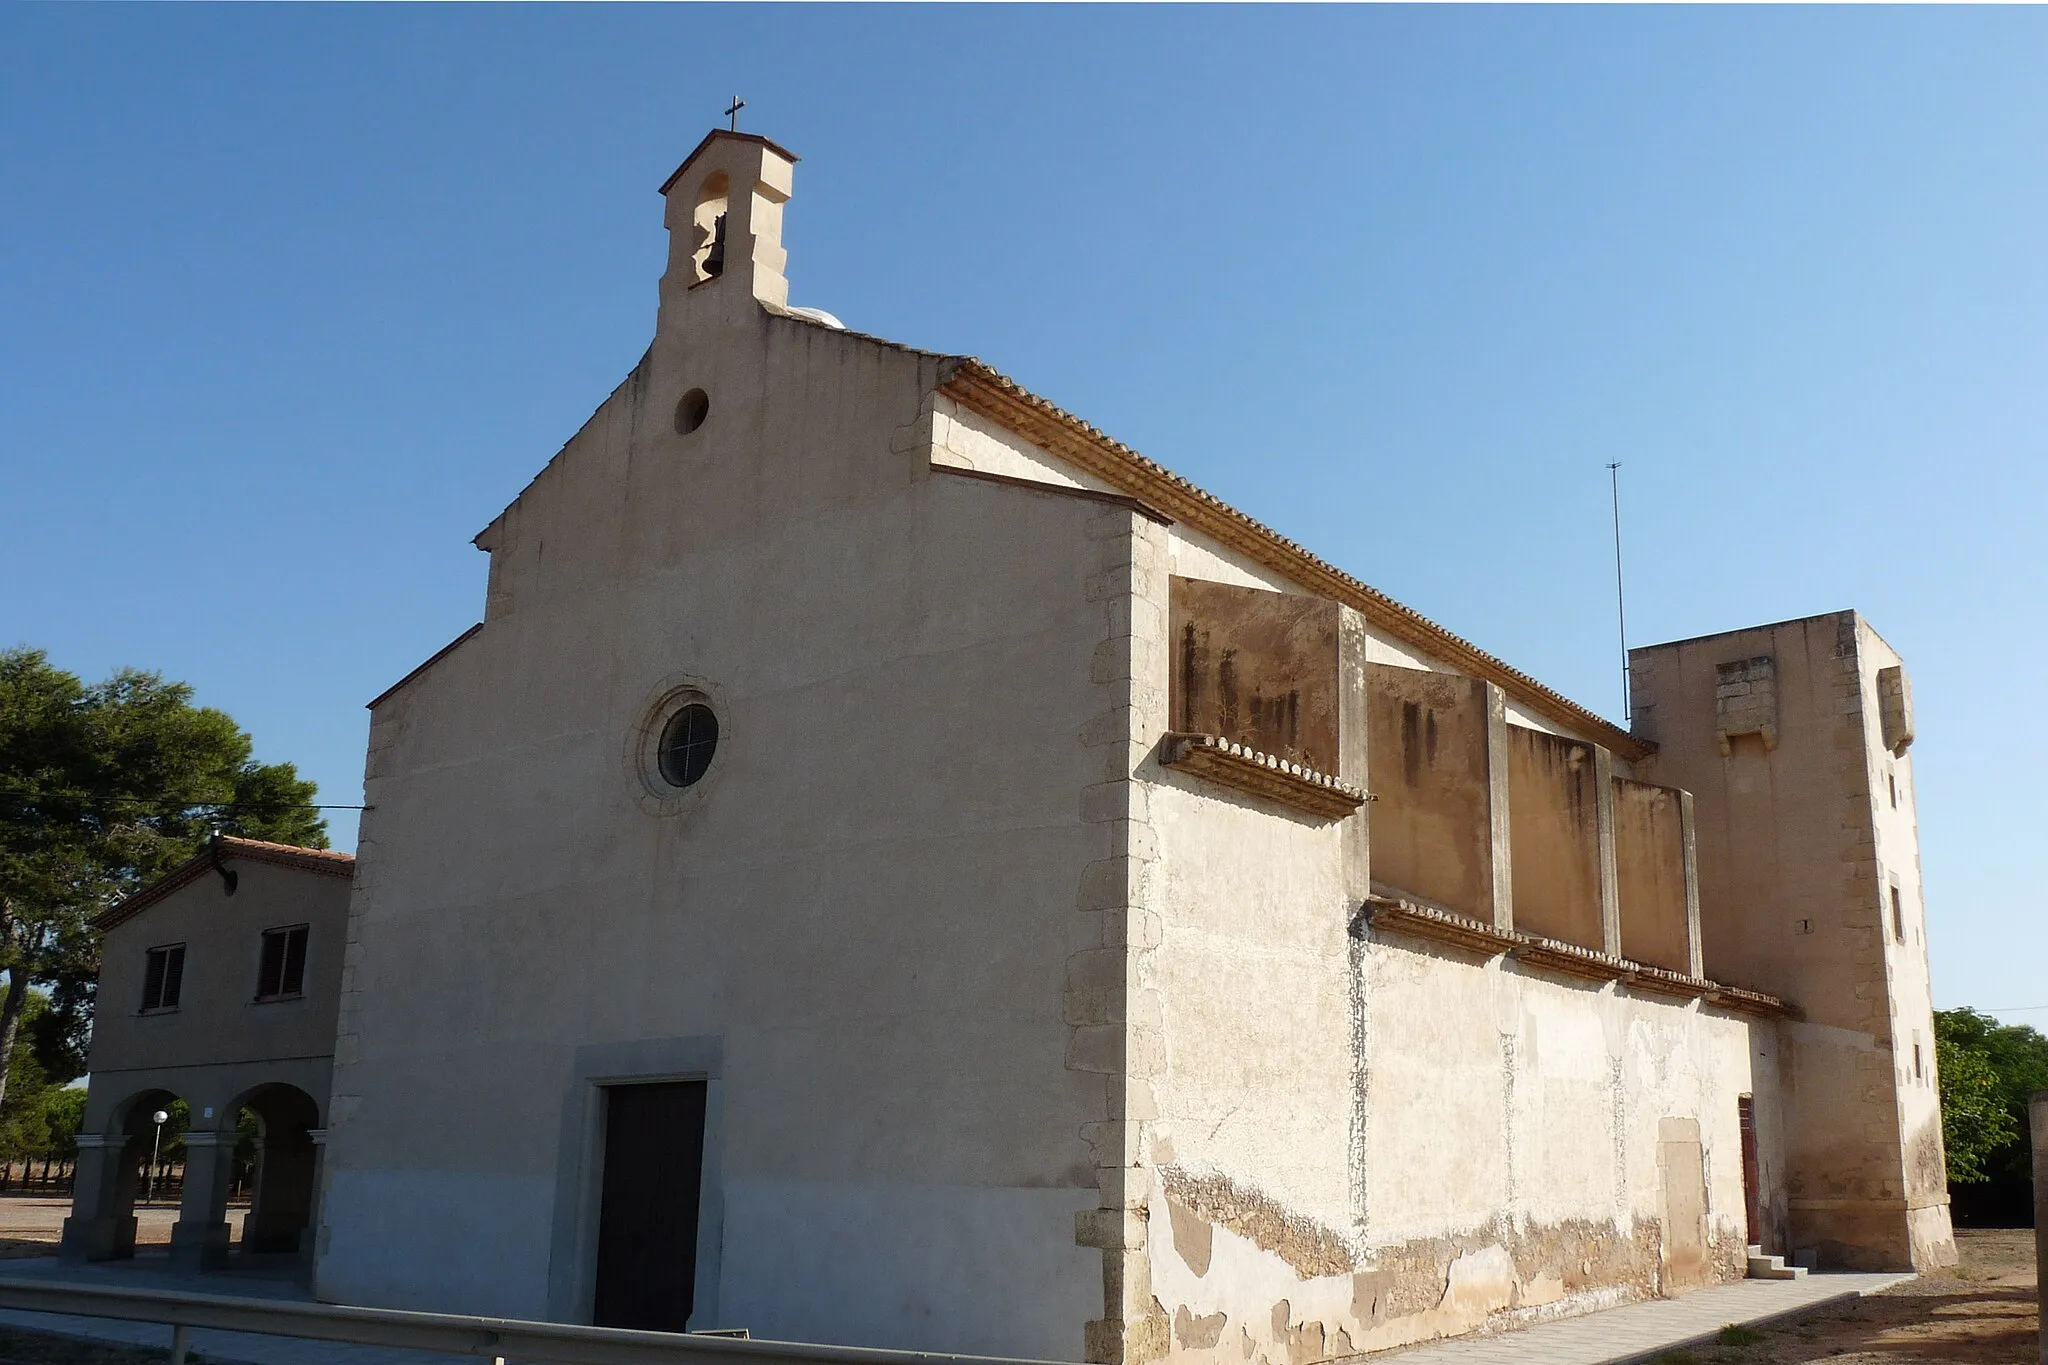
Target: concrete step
(1762,1267)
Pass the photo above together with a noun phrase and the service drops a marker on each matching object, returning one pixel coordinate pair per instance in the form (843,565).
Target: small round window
(687,743)
(691,411)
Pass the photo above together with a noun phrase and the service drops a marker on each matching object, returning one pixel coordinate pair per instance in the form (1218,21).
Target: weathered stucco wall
(857,925)
(1650,863)
(1356,1141)
(1437,754)
(1255,667)
(1506,1157)
(1776,731)
(1554,796)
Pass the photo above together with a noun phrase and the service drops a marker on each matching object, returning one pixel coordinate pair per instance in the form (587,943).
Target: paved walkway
(1642,1331)
(1615,1336)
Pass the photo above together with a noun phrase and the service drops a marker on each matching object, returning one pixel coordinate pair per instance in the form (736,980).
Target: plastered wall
(1555,790)
(1355,1141)
(1255,667)
(864,913)
(1506,1161)
(1436,753)
(1651,867)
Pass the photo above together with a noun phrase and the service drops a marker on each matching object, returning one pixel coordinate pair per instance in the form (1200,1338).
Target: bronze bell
(714,261)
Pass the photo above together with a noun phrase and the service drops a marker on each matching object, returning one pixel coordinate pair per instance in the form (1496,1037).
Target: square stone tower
(1794,740)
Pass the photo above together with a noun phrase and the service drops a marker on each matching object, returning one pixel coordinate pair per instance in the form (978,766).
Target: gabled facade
(895,867)
(219,985)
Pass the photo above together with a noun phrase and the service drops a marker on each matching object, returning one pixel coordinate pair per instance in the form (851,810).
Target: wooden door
(1745,1109)
(647,1215)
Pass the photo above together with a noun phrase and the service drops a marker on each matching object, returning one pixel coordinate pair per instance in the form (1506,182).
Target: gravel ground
(31,1224)
(1981,1313)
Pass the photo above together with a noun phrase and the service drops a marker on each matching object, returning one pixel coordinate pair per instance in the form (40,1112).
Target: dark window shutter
(174,976)
(294,962)
(153,979)
(270,976)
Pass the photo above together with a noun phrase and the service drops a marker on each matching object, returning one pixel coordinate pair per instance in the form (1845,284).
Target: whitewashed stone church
(896,867)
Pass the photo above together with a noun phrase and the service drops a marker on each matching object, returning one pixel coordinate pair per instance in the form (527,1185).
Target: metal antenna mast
(1620,600)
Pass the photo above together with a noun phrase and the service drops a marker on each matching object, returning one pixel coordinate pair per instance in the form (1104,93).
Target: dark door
(647,1216)
(1745,1108)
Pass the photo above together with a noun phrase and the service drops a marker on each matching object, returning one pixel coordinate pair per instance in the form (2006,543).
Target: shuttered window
(163,977)
(283,970)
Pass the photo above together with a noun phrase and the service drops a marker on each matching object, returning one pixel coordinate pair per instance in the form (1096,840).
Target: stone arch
(287,1167)
(111,1176)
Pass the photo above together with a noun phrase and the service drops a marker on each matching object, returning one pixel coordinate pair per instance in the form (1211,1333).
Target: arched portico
(287,1122)
(287,1178)
(110,1160)
(112,1153)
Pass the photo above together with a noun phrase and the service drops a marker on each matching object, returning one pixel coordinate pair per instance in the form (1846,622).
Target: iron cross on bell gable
(733,113)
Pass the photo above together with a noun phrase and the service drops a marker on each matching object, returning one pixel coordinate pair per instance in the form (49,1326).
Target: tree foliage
(104,787)
(1987,1071)
(40,1116)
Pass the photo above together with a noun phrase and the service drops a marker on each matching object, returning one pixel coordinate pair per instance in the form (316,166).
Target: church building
(896,867)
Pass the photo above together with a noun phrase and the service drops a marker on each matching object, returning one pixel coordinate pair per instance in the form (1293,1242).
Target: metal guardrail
(496,1339)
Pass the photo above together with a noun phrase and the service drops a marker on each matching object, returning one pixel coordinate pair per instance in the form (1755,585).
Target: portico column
(309,1240)
(284,1190)
(199,1239)
(102,1225)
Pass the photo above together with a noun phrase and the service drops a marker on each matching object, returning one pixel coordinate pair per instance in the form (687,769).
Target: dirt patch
(1980,1313)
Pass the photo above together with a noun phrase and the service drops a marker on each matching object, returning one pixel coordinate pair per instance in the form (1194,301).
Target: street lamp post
(161,1116)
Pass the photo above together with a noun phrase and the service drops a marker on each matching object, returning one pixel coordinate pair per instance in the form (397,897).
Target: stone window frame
(652,791)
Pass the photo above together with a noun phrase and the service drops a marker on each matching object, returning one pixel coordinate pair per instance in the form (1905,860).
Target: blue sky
(296,298)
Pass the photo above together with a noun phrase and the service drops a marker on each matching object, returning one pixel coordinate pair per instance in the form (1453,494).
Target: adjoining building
(218,986)
(1809,856)
(896,867)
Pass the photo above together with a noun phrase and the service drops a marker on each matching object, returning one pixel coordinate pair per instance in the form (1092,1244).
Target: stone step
(1762,1267)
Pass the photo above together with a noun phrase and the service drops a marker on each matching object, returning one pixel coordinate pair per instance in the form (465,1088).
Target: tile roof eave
(324,861)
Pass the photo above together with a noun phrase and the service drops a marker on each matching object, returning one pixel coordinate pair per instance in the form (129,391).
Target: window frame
(169,983)
(284,935)
(674,756)
(641,751)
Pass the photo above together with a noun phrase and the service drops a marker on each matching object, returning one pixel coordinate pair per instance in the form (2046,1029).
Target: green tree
(1984,1110)
(24,1129)
(63,1115)
(1975,1127)
(104,787)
